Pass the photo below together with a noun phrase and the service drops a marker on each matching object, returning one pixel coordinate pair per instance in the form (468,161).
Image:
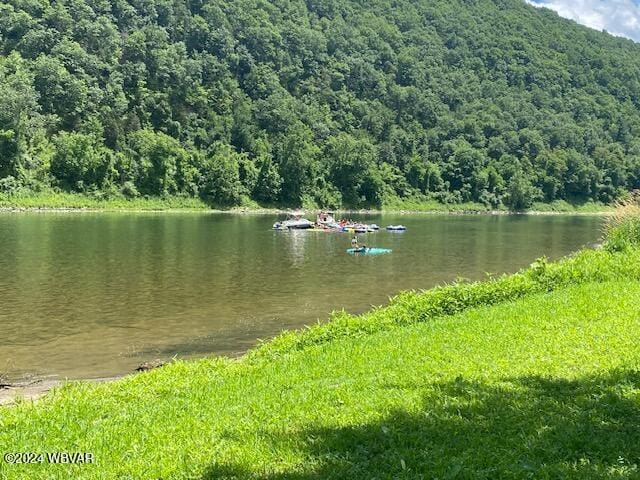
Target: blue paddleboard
(369,251)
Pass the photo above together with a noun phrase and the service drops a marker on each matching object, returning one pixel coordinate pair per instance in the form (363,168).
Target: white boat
(296,222)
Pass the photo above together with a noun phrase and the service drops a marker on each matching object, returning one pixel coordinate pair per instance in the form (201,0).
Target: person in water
(354,241)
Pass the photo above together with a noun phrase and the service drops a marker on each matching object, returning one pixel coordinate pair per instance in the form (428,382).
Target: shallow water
(94,294)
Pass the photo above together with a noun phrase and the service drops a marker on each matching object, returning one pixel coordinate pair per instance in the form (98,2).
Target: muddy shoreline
(33,390)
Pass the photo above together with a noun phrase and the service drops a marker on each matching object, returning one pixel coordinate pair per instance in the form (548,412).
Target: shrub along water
(622,229)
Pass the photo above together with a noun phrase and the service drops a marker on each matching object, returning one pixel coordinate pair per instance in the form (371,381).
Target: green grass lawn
(547,386)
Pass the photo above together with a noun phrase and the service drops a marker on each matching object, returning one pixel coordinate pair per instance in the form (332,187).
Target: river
(87,295)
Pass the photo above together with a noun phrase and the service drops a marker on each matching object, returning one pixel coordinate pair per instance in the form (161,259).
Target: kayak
(396,228)
(369,251)
(360,228)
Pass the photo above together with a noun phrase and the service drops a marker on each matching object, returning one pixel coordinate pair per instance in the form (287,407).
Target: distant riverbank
(71,202)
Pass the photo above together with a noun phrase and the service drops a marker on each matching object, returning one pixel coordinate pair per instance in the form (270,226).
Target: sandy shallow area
(33,390)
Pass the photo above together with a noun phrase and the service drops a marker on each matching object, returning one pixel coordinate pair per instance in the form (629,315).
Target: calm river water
(95,294)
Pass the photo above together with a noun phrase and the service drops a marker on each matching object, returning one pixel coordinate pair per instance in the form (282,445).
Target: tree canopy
(336,102)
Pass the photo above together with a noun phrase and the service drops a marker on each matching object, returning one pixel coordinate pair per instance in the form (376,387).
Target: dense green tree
(19,113)
(79,160)
(268,184)
(157,157)
(60,92)
(221,176)
(351,164)
(9,153)
(297,157)
(320,101)
(520,193)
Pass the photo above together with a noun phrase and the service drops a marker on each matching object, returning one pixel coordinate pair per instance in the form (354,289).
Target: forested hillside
(325,102)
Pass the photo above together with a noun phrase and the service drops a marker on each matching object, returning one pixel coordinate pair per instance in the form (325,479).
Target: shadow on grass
(529,427)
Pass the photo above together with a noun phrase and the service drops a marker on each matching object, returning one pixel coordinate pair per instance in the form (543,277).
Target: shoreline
(33,391)
(278,211)
(44,202)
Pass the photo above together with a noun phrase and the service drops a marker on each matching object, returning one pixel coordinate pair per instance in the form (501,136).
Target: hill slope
(318,101)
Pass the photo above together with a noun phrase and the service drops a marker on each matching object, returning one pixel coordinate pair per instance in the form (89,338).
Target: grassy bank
(558,206)
(546,385)
(54,201)
(533,375)
(562,206)
(73,201)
